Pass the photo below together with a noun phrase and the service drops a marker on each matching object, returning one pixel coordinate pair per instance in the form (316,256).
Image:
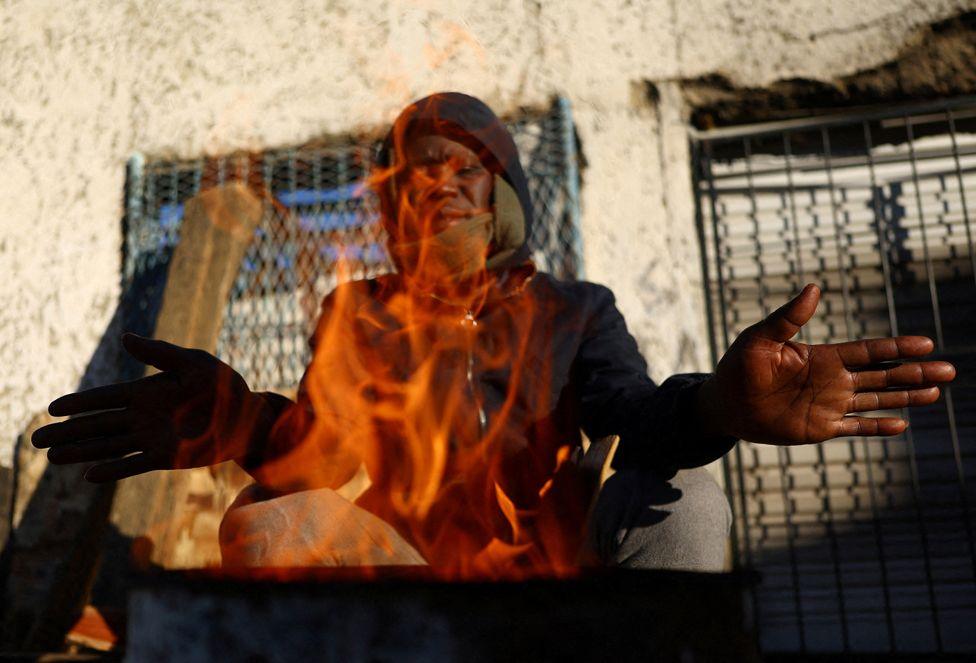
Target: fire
(395,386)
(403,409)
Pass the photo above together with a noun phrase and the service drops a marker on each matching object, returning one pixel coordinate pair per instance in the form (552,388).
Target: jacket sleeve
(657,424)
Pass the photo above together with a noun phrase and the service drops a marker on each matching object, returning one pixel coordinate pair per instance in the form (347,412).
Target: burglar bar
(324,214)
(864,545)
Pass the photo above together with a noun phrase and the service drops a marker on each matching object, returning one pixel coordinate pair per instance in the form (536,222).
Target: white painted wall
(85,83)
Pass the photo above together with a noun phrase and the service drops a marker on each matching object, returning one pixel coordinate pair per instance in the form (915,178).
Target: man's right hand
(196,412)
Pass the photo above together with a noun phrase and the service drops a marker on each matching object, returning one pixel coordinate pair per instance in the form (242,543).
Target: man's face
(444,182)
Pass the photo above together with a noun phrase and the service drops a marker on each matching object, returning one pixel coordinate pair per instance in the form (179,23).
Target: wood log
(176,514)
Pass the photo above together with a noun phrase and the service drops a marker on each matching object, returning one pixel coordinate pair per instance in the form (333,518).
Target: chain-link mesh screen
(323,212)
(864,544)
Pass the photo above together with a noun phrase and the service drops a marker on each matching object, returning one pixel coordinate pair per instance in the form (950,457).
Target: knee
(309,528)
(643,521)
(249,529)
(716,525)
(261,528)
(703,501)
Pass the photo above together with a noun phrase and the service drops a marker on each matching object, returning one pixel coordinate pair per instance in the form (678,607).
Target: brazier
(405,614)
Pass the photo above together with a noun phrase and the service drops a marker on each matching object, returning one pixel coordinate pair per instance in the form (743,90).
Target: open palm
(774,390)
(198,411)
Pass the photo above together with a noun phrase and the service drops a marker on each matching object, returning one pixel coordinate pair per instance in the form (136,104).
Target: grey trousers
(642,521)
(638,521)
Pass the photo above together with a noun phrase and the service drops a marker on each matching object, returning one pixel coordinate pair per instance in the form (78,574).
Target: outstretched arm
(657,424)
(196,411)
(769,388)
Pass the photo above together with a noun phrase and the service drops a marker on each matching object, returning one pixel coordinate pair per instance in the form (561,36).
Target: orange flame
(393,386)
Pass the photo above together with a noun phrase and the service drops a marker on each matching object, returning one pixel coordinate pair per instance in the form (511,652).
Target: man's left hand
(768,388)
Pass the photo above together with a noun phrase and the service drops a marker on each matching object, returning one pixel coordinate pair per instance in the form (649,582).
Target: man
(462,384)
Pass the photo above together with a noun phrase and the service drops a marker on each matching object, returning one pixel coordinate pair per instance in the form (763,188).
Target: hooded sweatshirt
(466,416)
(470,122)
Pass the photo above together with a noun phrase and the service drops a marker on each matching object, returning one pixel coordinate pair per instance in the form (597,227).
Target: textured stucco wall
(85,83)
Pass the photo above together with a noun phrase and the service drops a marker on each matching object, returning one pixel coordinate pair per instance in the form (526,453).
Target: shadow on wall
(60,532)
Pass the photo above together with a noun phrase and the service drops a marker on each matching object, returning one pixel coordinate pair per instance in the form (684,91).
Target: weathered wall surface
(84,84)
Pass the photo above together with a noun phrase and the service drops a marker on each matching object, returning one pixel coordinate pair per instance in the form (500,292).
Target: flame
(392,391)
(393,387)
(508,508)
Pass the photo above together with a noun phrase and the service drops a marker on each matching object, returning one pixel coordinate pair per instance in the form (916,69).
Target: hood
(470,121)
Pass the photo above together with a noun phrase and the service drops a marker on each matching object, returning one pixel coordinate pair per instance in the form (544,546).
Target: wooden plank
(163,508)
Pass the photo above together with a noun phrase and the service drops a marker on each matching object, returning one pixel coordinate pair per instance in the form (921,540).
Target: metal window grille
(291,264)
(862,544)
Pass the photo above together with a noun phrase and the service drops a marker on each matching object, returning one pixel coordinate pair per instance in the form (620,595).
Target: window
(324,212)
(863,545)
